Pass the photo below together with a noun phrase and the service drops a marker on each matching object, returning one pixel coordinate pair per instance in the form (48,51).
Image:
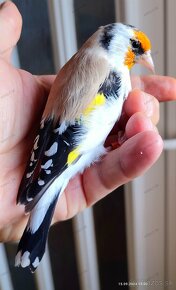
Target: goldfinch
(85,102)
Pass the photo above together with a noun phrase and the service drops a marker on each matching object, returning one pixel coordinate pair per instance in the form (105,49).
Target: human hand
(22,100)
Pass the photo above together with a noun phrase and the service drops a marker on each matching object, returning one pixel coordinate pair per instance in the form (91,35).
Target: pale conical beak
(147,61)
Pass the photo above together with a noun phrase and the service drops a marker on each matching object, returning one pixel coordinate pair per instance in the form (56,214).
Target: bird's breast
(97,125)
(103,112)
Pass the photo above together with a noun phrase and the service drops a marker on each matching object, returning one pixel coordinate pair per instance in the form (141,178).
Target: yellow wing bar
(72,156)
(99,100)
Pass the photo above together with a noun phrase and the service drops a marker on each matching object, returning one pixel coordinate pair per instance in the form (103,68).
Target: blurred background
(129,236)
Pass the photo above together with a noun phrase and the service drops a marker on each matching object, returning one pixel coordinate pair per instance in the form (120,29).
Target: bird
(84,103)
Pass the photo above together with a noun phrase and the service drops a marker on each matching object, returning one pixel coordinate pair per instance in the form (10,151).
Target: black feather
(111,86)
(35,243)
(107,35)
(43,134)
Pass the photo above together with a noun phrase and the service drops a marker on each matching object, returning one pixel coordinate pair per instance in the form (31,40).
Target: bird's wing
(39,146)
(49,158)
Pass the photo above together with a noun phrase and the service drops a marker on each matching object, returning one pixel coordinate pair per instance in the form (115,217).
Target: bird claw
(121,138)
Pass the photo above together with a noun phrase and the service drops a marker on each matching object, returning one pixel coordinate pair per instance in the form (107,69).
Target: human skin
(22,100)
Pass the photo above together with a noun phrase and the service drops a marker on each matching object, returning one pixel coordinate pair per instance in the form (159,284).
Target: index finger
(162,87)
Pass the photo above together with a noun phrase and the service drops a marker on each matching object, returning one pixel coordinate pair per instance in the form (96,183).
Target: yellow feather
(144,40)
(72,156)
(99,100)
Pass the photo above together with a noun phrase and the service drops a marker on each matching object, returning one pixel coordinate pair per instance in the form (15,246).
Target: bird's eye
(136,47)
(135,44)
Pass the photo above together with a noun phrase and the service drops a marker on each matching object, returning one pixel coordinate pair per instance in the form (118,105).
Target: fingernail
(148,103)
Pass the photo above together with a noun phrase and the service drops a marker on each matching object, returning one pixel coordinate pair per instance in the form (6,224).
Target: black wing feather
(43,133)
(31,191)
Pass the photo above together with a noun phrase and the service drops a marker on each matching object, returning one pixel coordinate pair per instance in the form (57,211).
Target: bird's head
(126,45)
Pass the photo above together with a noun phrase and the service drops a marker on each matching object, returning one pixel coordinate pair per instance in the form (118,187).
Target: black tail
(31,247)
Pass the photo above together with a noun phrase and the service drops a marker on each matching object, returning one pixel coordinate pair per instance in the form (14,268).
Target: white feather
(119,46)
(52,150)
(47,164)
(36,262)
(25,261)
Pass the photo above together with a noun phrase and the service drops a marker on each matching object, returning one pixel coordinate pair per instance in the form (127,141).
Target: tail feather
(32,245)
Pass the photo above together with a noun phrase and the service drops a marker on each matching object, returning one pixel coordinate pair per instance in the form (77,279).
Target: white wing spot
(36,142)
(18,259)
(52,150)
(33,157)
(42,124)
(48,171)
(62,128)
(47,164)
(25,261)
(36,138)
(28,175)
(56,130)
(41,182)
(29,198)
(66,143)
(36,262)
